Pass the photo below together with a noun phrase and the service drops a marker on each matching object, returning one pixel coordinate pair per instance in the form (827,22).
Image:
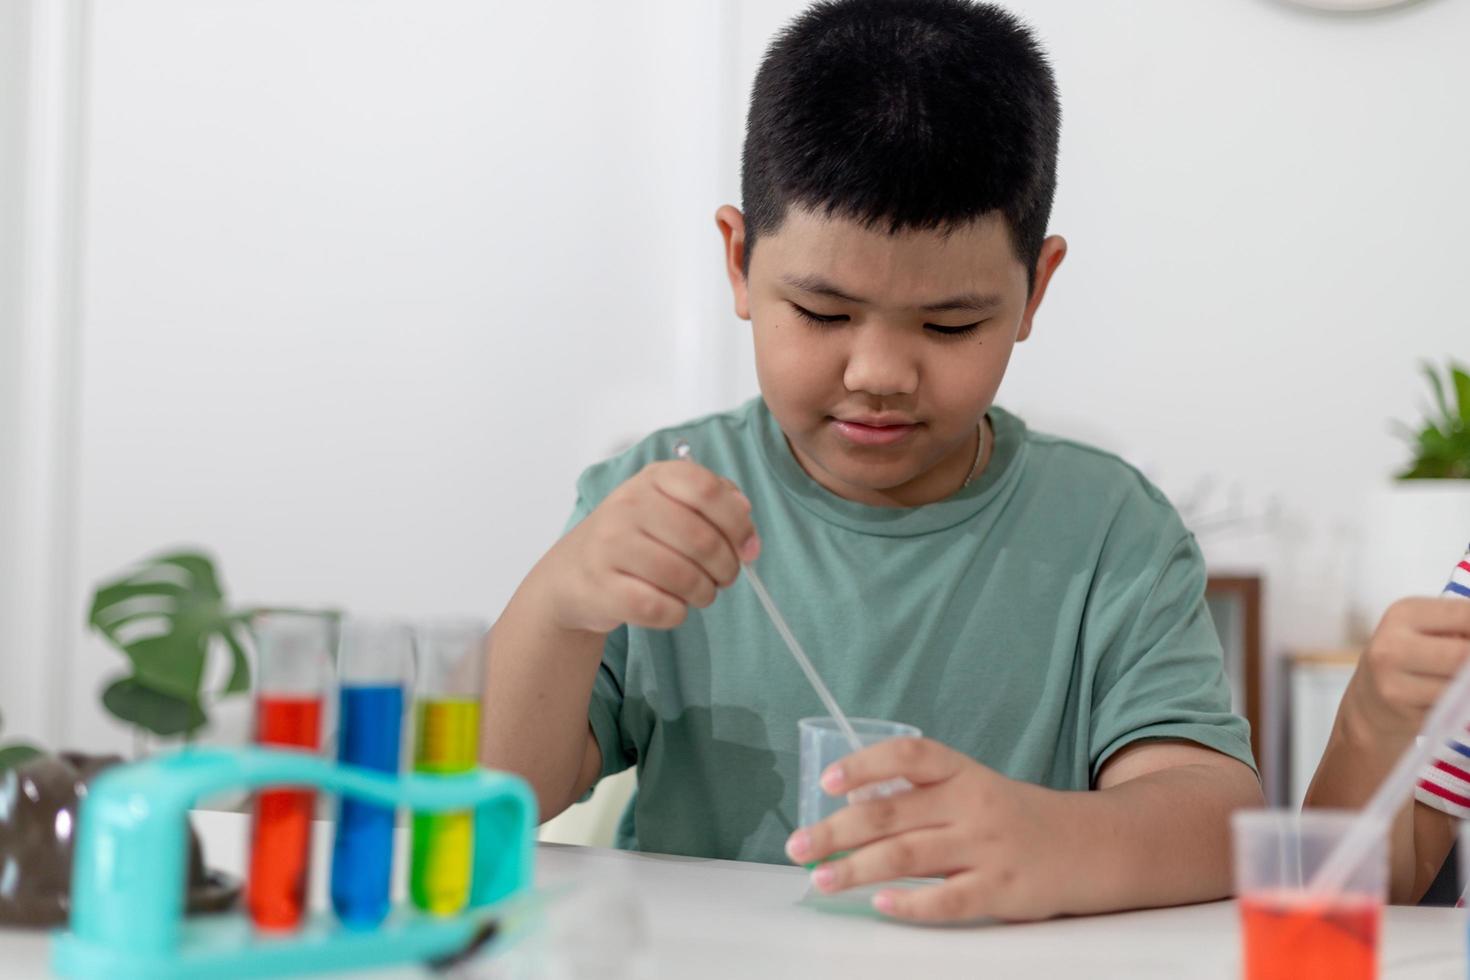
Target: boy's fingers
(1447,616)
(1434,656)
(1413,690)
(688,532)
(713,497)
(859,824)
(918,853)
(646,558)
(919,760)
(956,899)
(634,601)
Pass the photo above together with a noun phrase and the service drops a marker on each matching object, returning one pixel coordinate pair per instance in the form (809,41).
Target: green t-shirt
(1038,620)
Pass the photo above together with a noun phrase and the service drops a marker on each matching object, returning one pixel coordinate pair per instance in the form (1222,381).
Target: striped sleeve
(1445,782)
(1460,580)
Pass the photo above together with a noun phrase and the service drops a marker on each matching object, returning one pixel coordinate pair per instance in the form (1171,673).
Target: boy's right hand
(669,538)
(1414,654)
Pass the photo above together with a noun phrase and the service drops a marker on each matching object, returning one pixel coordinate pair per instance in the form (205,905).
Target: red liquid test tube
(293,669)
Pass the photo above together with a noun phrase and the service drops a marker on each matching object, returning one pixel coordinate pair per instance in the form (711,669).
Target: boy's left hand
(990,837)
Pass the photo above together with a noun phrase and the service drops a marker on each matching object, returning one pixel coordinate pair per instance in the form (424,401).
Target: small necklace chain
(979,452)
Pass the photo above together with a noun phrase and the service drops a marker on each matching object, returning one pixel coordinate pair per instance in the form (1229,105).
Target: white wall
(364,284)
(369,283)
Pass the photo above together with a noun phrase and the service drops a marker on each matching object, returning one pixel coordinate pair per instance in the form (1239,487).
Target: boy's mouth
(874,430)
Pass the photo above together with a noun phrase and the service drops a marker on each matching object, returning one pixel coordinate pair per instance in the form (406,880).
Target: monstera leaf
(165,615)
(14,755)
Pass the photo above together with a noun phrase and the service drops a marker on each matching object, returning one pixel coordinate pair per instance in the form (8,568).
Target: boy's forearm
(537,687)
(1159,839)
(1354,763)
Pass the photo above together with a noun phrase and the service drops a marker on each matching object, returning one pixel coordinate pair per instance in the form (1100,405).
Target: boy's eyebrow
(820,286)
(966,301)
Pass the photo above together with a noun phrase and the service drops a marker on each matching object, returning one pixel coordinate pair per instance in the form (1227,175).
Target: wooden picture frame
(1235,605)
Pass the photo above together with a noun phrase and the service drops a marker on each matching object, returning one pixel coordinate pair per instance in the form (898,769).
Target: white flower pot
(1414,532)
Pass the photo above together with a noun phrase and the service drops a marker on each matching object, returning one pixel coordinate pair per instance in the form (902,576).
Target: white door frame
(39,631)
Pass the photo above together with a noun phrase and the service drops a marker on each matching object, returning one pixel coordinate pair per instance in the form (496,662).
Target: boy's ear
(732,230)
(1053,250)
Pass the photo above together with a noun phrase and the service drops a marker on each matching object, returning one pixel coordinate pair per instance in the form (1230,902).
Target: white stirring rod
(801,658)
(1447,719)
(683,451)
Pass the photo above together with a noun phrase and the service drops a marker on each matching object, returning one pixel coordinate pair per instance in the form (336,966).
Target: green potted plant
(168,616)
(1419,523)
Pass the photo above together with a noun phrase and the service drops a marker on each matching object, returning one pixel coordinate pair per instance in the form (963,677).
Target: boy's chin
(870,478)
(855,472)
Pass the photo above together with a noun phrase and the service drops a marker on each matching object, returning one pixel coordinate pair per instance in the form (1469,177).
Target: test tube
(293,671)
(446,740)
(374,668)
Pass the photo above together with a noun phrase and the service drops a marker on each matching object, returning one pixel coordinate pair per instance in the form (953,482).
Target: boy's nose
(879,363)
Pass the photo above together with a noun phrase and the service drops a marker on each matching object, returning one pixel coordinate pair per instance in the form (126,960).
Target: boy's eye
(959,331)
(811,317)
(823,319)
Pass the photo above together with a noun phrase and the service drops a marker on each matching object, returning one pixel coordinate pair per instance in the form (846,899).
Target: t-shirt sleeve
(1162,676)
(1445,782)
(604,709)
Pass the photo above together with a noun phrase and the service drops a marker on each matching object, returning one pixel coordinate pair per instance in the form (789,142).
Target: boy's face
(878,354)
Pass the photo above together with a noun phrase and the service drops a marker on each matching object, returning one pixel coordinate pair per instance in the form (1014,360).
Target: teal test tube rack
(128,875)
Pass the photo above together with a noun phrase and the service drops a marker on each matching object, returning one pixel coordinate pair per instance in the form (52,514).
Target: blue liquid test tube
(375,666)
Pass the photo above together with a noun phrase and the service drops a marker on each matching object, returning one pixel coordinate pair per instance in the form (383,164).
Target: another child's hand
(667,539)
(987,835)
(1413,655)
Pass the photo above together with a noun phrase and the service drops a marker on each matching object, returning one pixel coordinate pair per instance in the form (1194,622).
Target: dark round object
(38,814)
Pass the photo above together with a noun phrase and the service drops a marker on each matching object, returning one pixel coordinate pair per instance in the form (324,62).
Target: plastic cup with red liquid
(1290,931)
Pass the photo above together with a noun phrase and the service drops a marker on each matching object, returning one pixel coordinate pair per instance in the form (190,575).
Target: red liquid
(280,837)
(1290,936)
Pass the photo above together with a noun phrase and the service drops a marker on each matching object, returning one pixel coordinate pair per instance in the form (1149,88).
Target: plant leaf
(171,664)
(163,614)
(239,681)
(162,714)
(1458,453)
(1462,394)
(1430,442)
(14,755)
(1436,385)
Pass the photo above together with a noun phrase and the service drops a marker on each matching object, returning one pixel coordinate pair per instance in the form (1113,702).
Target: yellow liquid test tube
(446,736)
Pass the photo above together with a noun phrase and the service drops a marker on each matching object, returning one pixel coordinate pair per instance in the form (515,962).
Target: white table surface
(715,919)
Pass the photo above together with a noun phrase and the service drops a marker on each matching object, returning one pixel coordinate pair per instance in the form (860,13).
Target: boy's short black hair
(906,113)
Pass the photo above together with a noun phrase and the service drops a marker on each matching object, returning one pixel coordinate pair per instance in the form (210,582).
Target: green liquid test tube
(443,843)
(446,741)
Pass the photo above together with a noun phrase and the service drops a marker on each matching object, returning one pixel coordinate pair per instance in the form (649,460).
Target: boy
(1034,606)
